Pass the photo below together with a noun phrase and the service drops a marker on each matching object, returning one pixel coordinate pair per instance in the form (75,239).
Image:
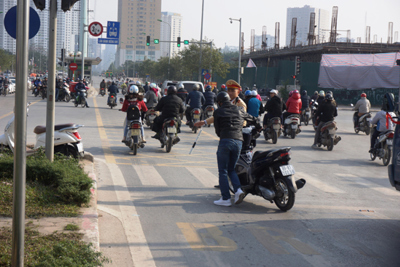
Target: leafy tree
(7,60)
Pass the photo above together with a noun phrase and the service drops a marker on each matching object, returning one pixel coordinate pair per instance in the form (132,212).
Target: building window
(140,52)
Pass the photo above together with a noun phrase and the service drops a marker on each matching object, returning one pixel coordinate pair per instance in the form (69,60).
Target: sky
(353,14)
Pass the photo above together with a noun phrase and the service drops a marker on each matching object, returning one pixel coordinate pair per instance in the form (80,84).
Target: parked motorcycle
(136,140)
(196,116)
(328,135)
(169,134)
(305,116)
(102,91)
(150,116)
(273,130)
(67,140)
(268,174)
(364,123)
(81,99)
(291,125)
(113,101)
(208,112)
(383,147)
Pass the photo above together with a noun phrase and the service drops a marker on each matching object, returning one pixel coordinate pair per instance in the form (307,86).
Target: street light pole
(201,39)
(169,45)
(240,45)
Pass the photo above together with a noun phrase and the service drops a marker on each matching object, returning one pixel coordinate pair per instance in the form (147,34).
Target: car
(166,84)
(11,87)
(189,85)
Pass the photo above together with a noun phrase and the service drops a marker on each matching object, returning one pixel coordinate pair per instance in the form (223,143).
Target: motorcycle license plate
(171,130)
(294,126)
(210,113)
(287,170)
(80,147)
(152,117)
(135,132)
(308,114)
(196,116)
(276,126)
(389,142)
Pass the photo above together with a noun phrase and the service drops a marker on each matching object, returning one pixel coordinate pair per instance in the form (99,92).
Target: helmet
(208,88)
(304,92)
(363,95)
(180,86)
(247,93)
(273,91)
(322,93)
(153,85)
(138,83)
(329,97)
(295,91)
(223,87)
(171,90)
(316,93)
(291,93)
(147,83)
(196,87)
(133,89)
(329,92)
(223,97)
(253,93)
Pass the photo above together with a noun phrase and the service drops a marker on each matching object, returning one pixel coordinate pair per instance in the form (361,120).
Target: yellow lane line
(109,156)
(11,112)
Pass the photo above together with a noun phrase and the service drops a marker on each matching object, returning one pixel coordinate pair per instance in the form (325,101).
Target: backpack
(133,112)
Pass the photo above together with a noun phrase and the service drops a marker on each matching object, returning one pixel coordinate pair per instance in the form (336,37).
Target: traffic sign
(186,42)
(204,71)
(207,76)
(95,28)
(113,29)
(10,22)
(73,66)
(112,41)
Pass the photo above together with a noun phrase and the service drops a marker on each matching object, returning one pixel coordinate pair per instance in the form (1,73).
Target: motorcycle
(169,134)
(305,116)
(364,123)
(268,174)
(208,112)
(80,99)
(328,135)
(64,94)
(291,125)
(5,89)
(102,91)
(43,92)
(273,130)
(383,147)
(196,116)
(150,116)
(314,107)
(67,140)
(113,101)
(124,91)
(136,140)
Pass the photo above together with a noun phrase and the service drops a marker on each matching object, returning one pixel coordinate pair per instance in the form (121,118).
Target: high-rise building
(138,19)
(171,29)
(302,14)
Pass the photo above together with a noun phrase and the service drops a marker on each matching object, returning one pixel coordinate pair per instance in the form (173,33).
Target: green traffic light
(179,45)
(147,44)
(156,41)
(186,42)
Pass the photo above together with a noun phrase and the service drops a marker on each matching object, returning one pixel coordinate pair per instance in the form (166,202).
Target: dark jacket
(305,101)
(210,97)
(182,94)
(320,100)
(275,106)
(195,99)
(326,111)
(113,89)
(228,121)
(79,86)
(170,106)
(103,84)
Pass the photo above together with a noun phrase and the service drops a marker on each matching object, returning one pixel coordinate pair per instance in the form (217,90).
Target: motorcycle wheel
(76,103)
(134,148)
(387,156)
(111,106)
(330,146)
(67,98)
(368,130)
(68,151)
(285,196)
(168,145)
(372,156)
(306,121)
(292,134)
(274,138)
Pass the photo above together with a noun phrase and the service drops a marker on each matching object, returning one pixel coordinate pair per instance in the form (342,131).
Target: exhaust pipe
(300,183)
(267,193)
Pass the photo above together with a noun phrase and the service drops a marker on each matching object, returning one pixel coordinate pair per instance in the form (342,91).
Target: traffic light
(156,41)
(294,76)
(148,40)
(179,41)
(186,42)
(62,54)
(298,65)
(66,5)
(40,4)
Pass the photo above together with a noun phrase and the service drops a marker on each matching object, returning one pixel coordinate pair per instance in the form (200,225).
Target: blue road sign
(112,41)
(113,29)
(207,76)
(204,71)
(10,22)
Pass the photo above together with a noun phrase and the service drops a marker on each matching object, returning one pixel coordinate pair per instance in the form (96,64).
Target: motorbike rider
(257,95)
(254,105)
(210,98)
(315,96)
(85,82)
(112,90)
(305,100)
(326,112)
(223,88)
(293,105)
(228,122)
(274,107)
(132,99)
(182,93)
(78,88)
(146,87)
(103,85)
(383,124)
(59,86)
(170,106)
(215,90)
(152,96)
(362,106)
(195,99)
(321,97)
(123,86)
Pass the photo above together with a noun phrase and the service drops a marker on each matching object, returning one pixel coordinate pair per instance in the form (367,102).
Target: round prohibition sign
(95,28)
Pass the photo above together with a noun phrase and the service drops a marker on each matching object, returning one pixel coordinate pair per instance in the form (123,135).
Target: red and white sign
(95,28)
(73,66)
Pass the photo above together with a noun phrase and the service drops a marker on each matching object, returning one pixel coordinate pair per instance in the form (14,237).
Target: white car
(189,85)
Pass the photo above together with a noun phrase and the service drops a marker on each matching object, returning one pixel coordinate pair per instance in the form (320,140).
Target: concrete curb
(88,156)
(90,218)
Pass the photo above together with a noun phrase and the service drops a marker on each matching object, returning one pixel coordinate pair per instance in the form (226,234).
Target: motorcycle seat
(262,154)
(170,118)
(293,116)
(42,129)
(386,132)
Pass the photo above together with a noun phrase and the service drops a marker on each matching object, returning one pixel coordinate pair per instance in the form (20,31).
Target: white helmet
(153,85)
(134,89)
(253,93)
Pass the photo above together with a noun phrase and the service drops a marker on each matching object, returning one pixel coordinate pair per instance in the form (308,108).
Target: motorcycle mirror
(145,100)
(121,100)
(351,105)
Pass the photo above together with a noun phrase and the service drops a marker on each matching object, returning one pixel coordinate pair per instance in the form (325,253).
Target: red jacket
(141,105)
(293,104)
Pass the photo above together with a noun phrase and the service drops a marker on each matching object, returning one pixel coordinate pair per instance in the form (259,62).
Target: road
(156,208)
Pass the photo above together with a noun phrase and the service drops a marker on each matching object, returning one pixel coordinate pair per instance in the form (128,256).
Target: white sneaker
(239,196)
(221,202)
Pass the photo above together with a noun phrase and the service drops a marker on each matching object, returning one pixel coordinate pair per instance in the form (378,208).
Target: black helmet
(208,88)
(171,90)
(328,97)
(304,92)
(223,97)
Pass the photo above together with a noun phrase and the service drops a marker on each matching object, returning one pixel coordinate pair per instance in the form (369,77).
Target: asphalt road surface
(156,208)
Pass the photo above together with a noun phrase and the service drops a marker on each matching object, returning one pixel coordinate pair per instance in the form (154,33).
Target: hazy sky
(353,15)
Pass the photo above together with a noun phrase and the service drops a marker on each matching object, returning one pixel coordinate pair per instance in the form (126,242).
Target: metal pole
(83,38)
(201,39)
(18,222)
(62,56)
(52,80)
(240,48)
(210,61)
(169,48)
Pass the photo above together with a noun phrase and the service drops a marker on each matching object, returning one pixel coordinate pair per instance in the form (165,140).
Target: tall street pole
(240,45)
(201,38)
(169,44)
(83,35)
(51,64)
(18,221)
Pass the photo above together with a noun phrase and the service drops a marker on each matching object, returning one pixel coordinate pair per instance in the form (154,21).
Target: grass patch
(55,188)
(57,249)
(71,227)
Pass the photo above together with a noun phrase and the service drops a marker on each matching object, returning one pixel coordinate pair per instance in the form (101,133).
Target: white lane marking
(148,175)
(204,176)
(115,213)
(140,251)
(319,184)
(364,182)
